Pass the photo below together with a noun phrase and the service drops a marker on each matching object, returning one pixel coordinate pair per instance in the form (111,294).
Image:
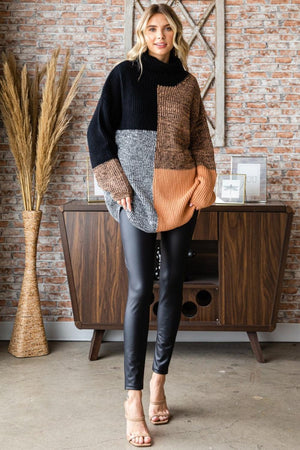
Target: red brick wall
(261,118)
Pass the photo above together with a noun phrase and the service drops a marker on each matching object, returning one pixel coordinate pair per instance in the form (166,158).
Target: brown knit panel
(182,139)
(201,144)
(173,126)
(111,177)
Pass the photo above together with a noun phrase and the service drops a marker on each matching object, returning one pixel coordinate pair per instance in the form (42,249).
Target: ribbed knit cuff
(111,178)
(204,195)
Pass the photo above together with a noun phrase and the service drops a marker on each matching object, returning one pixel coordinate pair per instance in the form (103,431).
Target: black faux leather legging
(139,251)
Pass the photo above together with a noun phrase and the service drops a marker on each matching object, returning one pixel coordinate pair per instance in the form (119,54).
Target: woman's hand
(191,205)
(125,203)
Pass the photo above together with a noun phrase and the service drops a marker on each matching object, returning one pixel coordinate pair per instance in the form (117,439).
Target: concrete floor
(220,398)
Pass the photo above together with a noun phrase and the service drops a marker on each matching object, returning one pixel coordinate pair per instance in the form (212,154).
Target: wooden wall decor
(195,36)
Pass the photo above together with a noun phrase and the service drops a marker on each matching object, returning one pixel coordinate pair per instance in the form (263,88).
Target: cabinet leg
(255,345)
(95,344)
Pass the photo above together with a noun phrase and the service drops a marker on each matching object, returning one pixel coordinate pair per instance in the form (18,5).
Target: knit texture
(111,177)
(149,139)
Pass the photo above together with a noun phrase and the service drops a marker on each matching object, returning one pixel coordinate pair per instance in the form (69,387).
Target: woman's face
(159,37)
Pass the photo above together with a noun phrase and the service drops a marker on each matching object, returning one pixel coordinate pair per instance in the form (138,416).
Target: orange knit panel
(204,195)
(172,191)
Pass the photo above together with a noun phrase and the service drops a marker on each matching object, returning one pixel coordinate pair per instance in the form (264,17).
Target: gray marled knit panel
(112,206)
(136,151)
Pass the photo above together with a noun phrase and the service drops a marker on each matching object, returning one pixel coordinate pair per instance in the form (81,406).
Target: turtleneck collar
(163,73)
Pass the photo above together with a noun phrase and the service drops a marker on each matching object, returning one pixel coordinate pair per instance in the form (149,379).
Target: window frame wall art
(195,26)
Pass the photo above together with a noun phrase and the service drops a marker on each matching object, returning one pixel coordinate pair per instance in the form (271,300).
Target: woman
(151,153)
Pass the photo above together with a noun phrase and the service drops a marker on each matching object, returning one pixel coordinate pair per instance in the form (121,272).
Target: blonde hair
(181,47)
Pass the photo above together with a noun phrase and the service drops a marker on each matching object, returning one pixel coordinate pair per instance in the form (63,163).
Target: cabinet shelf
(205,281)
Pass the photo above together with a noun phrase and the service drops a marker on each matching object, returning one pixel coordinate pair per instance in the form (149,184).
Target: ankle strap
(160,402)
(135,419)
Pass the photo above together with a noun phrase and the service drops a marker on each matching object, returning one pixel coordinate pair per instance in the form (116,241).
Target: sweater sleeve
(101,140)
(203,153)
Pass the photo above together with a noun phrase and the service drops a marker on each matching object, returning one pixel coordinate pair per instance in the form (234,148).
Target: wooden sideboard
(234,273)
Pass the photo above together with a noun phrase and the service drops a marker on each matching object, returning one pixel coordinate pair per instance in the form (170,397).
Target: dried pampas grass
(34,127)
(16,117)
(53,121)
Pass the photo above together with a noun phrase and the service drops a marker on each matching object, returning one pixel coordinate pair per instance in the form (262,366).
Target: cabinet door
(251,246)
(206,227)
(97,276)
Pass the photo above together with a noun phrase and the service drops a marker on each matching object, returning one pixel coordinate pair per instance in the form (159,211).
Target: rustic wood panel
(97,265)
(251,248)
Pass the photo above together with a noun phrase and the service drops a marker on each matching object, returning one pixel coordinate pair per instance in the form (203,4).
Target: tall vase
(28,336)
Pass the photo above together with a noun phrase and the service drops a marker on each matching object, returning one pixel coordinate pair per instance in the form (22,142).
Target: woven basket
(28,336)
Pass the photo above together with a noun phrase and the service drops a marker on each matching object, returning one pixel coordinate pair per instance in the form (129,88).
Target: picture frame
(94,193)
(230,188)
(255,169)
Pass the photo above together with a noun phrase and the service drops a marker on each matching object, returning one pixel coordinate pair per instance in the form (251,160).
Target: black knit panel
(129,102)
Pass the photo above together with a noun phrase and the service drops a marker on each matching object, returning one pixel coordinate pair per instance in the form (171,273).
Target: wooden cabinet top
(272,206)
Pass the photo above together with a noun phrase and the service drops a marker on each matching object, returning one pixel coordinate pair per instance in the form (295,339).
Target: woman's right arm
(101,141)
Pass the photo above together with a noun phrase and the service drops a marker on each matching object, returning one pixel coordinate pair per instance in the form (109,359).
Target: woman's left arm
(203,153)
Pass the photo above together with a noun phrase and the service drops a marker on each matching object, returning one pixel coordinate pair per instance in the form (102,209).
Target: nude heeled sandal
(160,414)
(136,434)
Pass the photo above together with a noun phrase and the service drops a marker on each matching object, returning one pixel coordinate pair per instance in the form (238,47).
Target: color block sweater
(149,139)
